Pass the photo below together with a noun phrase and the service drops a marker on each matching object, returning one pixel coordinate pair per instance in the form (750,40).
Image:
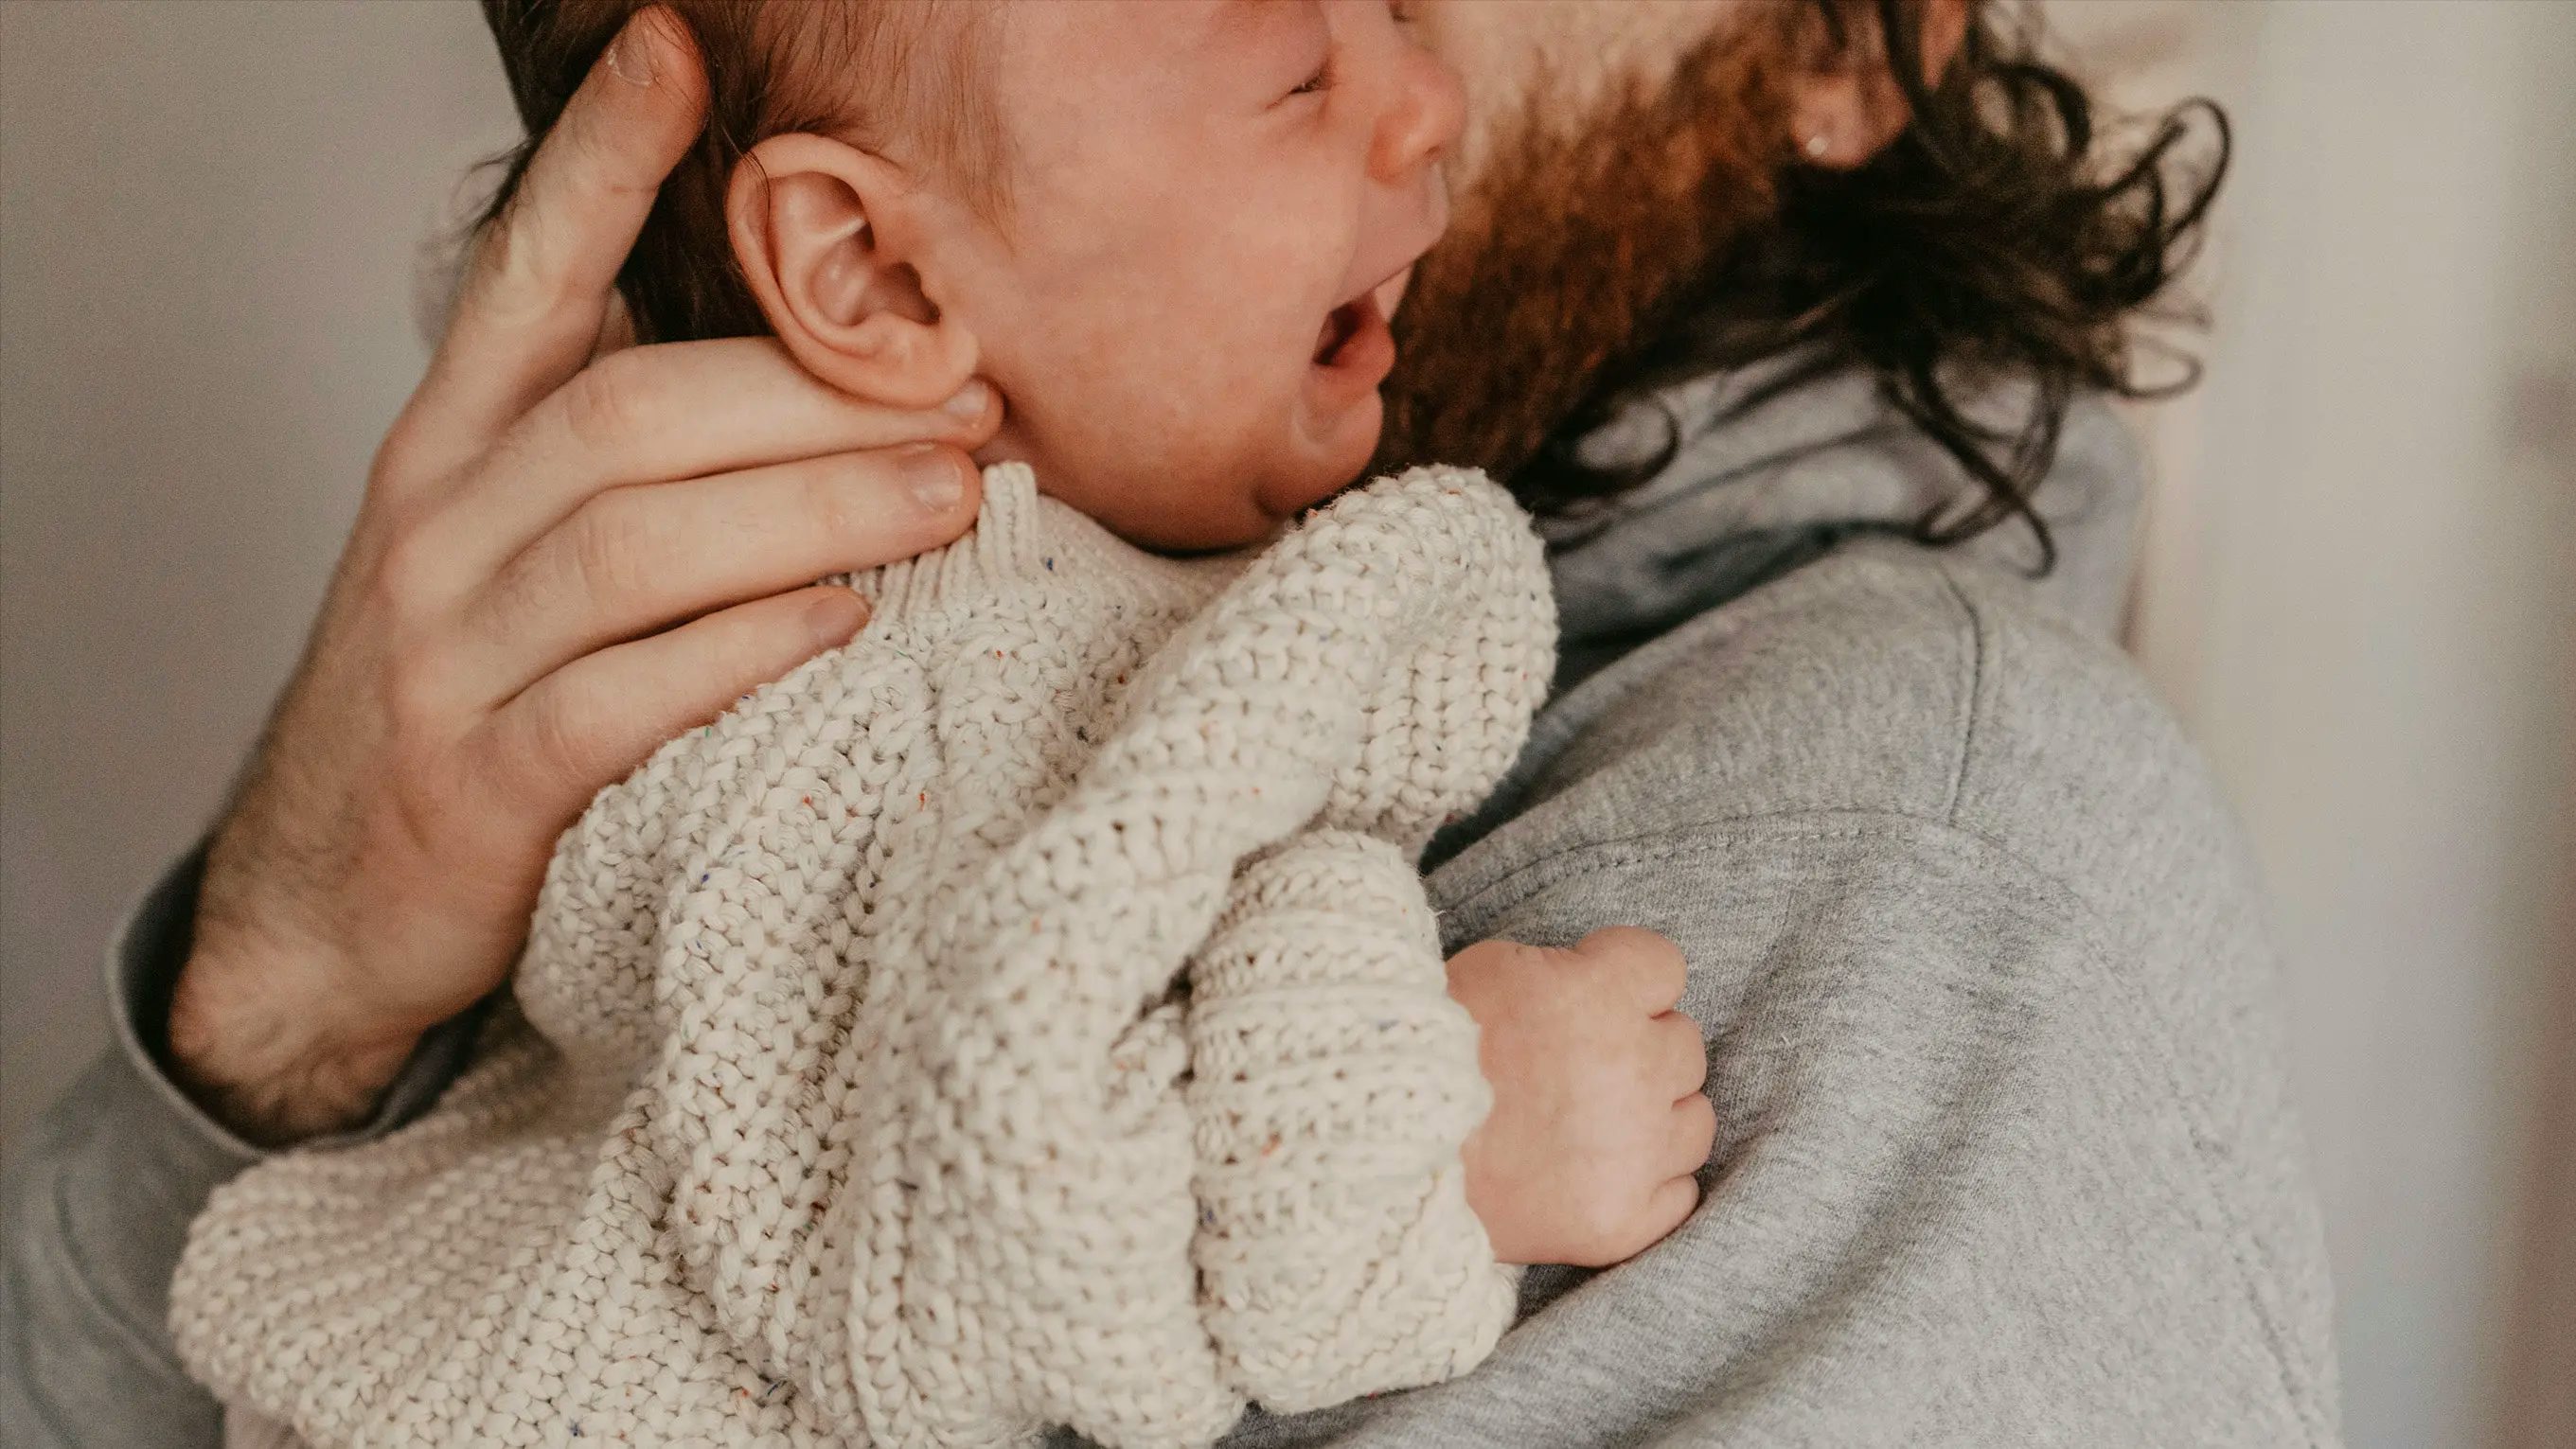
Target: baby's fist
(1598,1122)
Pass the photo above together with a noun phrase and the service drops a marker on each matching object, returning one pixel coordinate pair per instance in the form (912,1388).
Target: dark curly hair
(1999,237)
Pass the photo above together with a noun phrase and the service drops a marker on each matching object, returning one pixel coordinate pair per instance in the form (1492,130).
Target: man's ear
(1845,108)
(822,234)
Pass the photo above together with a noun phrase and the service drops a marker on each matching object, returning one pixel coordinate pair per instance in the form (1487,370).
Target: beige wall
(209,220)
(2361,598)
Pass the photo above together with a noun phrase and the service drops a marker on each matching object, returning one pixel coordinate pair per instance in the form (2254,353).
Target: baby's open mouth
(1342,324)
(1358,325)
(1354,349)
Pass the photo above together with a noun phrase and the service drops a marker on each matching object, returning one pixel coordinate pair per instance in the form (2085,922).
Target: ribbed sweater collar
(1022,536)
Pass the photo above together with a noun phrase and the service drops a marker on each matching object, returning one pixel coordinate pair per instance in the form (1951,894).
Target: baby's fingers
(1680,1055)
(1647,966)
(1669,1208)
(1693,1136)
(1690,1136)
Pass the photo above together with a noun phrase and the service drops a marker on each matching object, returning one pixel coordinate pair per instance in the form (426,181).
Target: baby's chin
(1229,514)
(1193,501)
(1323,460)
(1182,510)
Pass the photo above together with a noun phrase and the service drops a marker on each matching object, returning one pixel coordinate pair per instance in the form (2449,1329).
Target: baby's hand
(1598,1121)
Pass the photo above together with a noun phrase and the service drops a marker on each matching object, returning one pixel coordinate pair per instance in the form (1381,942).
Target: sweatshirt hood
(1778,462)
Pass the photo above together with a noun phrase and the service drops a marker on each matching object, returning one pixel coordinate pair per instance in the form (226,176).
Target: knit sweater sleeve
(1333,1082)
(845,1095)
(1052,1181)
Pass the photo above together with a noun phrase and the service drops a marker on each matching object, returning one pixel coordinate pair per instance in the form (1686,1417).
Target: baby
(1028,1015)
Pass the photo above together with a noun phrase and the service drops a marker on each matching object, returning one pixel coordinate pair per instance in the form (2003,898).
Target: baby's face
(1214,205)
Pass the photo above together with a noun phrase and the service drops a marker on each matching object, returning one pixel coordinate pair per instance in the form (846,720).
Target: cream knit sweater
(1028,1013)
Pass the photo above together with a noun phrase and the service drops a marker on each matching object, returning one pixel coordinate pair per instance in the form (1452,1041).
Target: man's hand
(563,560)
(1598,1123)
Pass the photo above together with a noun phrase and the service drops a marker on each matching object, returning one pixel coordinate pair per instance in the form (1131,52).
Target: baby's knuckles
(1640,960)
(1611,1222)
(1580,1149)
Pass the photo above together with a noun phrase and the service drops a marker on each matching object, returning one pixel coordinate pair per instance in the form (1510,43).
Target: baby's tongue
(1339,324)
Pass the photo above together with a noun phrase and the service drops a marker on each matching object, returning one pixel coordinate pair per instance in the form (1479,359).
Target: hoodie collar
(1780,461)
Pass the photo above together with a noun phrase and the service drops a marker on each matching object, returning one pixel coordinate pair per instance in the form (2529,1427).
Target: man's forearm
(255,1044)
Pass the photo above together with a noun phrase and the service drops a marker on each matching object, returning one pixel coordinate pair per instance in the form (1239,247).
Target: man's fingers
(590,723)
(616,329)
(634,559)
(531,306)
(669,411)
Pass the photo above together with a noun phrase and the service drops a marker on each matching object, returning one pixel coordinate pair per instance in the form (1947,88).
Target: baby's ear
(820,232)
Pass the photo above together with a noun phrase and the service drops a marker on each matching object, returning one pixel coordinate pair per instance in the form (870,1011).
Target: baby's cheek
(1214,422)
(1180,486)
(1172,433)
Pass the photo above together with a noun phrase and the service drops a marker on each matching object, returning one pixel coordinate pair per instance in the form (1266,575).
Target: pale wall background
(2361,595)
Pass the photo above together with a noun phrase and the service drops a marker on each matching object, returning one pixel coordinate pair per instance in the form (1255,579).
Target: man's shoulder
(1961,913)
(1885,681)
(1884,677)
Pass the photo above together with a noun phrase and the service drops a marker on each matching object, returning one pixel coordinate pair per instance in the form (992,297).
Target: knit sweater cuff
(1333,1084)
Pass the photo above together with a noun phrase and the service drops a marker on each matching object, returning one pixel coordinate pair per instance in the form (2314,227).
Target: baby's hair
(905,78)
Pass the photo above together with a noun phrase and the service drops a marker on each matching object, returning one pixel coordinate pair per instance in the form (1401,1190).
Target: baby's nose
(1429,111)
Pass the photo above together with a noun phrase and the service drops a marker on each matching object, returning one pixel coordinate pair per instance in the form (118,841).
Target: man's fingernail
(836,616)
(970,400)
(630,54)
(931,473)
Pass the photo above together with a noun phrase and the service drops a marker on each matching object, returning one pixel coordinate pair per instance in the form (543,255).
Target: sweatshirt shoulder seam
(1972,704)
(1800,823)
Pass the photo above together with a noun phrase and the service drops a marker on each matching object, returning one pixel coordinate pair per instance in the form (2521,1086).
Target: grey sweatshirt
(2005,1151)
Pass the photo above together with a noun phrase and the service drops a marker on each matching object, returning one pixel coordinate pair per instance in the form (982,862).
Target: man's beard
(1578,249)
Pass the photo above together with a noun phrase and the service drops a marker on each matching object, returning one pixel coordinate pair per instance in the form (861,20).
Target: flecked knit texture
(1026,1014)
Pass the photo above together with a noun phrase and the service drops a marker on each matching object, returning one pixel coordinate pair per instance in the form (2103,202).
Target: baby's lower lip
(1342,382)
